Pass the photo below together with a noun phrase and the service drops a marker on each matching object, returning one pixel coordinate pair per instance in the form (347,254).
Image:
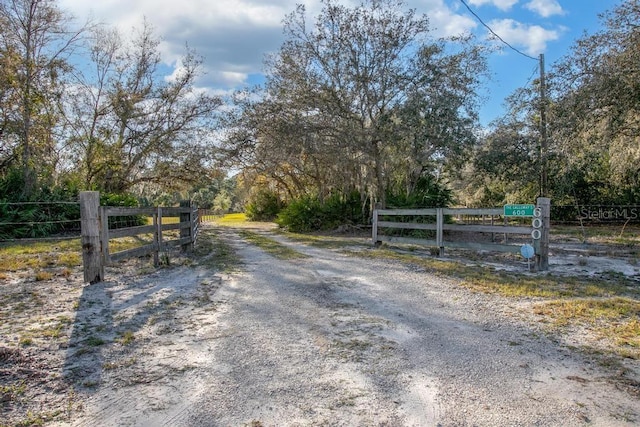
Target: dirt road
(329,340)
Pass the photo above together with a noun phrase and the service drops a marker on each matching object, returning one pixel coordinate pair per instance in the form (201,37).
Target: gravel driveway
(339,340)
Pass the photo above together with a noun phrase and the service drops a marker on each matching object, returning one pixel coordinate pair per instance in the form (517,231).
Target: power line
(495,34)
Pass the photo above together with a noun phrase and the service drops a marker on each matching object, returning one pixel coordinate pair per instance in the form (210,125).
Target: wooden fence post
(440,231)
(90,229)
(104,235)
(157,222)
(194,217)
(542,257)
(374,227)
(374,224)
(185,232)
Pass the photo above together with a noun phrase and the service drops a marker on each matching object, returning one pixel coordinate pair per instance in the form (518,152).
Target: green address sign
(519,210)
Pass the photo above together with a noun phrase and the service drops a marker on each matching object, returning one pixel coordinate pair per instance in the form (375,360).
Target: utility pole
(543,130)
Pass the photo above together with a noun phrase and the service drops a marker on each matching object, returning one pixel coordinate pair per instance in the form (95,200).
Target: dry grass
(613,321)
(213,251)
(326,242)
(617,234)
(606,308)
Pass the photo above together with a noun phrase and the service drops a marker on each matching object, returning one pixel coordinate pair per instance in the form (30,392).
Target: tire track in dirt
(347,341)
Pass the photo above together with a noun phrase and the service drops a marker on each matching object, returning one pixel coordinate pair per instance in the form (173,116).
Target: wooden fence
(97,233)
(538,232)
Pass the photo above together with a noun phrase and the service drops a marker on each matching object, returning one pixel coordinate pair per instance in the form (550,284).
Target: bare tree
(129,127)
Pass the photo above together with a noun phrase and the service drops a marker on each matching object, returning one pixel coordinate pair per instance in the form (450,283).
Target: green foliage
(113,199)
(426,193)
(309,213)
(50,210)
(124,200)
(302,214)
(222,202)
(39,216)
(264,205)
(204,198)
(593,127)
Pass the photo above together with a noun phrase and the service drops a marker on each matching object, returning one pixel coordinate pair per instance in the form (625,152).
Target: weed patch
(43,275)
(212,251)
(126,337)
(94,341)
(270,246)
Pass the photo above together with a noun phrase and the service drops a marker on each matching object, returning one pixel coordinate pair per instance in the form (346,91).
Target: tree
(130,128)
(9,100)
(596,117)
(594,125)
(348,100)
(35,42)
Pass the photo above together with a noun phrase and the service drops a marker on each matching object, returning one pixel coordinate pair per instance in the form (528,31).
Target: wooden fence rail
(381,220)
(97,234)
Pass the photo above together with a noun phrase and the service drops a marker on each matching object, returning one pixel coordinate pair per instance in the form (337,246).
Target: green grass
(214,252)
(271,246)
(239,220)
(17,256)
(232,219)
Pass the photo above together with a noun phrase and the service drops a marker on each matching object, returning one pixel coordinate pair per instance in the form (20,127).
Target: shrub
(123,200)
(309,213)
(263,206)
(301,215)
(40,216)
(427,193)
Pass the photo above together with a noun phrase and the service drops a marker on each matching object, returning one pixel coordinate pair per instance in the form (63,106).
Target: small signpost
(540,249)
(527,251)
(519,210)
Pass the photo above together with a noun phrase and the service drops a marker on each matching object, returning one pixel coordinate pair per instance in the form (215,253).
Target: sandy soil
(325,340)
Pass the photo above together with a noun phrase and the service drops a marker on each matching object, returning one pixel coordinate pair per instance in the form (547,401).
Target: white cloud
(445,23)
(233,36)
(500,4)
(545,8)
(532,39)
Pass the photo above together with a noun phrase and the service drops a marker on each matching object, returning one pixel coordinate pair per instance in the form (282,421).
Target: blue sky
(510,69)
(234,35)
